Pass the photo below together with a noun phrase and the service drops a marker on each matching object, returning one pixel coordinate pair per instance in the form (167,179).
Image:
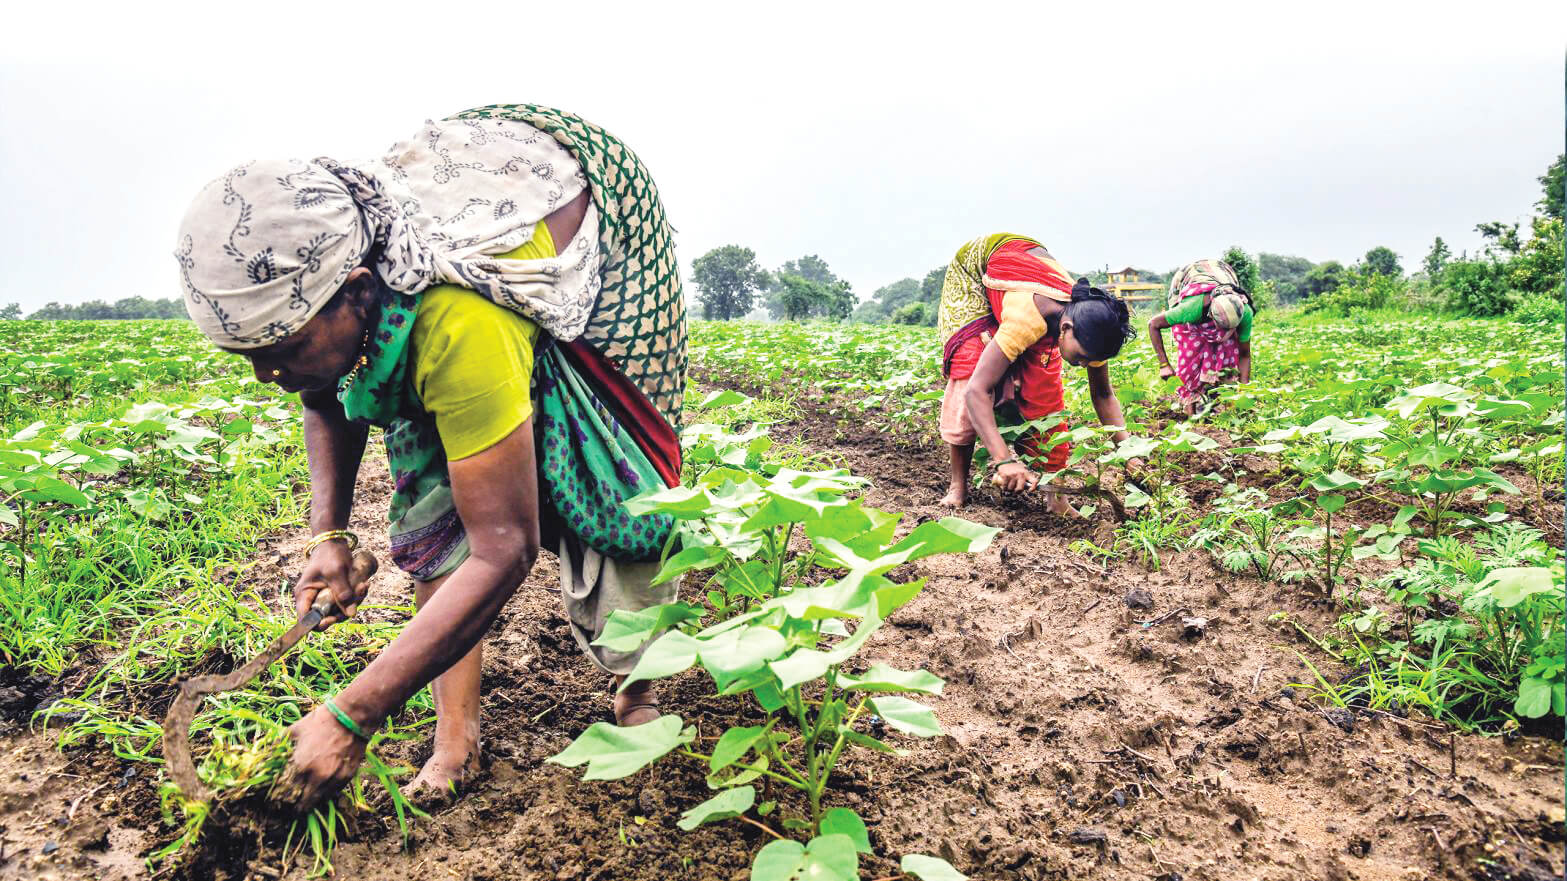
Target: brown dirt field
(1067,721)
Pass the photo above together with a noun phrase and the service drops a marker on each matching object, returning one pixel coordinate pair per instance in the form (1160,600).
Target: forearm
(1156,334)
(450,624)
(1108,410)
(979,401)
(1106,405)
(1245,367)
(334,445)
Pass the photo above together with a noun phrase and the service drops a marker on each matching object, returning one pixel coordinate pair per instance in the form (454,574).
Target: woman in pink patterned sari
(1210,317)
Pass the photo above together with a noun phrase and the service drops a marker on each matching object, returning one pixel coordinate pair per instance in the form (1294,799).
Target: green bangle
(350,724)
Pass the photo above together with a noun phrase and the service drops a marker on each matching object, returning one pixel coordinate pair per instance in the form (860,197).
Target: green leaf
(723,398)
(732,654)
(894,596)
(882,678)
(612,752)
(826,858)
(683,502)
(844,821)
(1331,503)
(909,717)
(1534,698)
(929,868)
(672,653)
(1335,481)
(626,631)
(733,745)
(1512,585)
(949,535)
(723,806)
(699,557)
(55,490)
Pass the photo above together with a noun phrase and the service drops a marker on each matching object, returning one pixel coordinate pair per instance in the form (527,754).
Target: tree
(1500,236)
(811,268)
(887,300)
(1324,278)
(795,296)
(1245,268)
(728,278)
(1438,258)
(1382,261)
(127,308)
(1555,188)
(11,312)
(1286,273)
(909,313)
(828,296)
(930,288)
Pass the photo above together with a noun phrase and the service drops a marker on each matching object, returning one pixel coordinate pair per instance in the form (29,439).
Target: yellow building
(1124,284)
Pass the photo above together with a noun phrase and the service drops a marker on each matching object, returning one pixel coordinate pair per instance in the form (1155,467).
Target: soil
(1080,743)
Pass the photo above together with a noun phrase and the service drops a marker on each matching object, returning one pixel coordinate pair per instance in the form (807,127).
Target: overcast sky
(879,136)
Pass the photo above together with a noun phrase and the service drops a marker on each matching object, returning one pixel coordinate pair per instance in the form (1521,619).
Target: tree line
(123,309)
(1513,272)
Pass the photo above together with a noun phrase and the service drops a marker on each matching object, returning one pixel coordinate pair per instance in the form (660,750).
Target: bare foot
(956,497)
(1056,503)
(443,776)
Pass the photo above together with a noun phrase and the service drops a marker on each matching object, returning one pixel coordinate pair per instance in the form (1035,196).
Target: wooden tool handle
(364,566)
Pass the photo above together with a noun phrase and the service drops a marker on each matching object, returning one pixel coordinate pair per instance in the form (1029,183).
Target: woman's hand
(1166,371)
(326,756)
(1015,477)
(329,569)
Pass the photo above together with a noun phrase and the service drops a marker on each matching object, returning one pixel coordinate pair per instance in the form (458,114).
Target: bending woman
(500,295)
(1010,316)
(1210,316)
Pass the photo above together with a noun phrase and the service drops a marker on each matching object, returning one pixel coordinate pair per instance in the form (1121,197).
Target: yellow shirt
(1021,324)
(473,361)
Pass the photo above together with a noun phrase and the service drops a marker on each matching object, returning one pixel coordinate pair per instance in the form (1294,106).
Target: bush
(1535,308)
(1478,287)
(909,313)
(1360,291)
(1538,266)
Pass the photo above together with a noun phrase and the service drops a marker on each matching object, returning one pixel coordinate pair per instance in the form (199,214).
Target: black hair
(1100,321)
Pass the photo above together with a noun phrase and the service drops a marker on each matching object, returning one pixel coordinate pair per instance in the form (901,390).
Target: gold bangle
(331,535)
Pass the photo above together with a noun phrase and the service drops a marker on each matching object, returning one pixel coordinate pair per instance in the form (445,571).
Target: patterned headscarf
(1226,309)
(263,248)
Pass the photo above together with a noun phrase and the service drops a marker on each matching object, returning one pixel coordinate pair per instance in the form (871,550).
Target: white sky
(880,136)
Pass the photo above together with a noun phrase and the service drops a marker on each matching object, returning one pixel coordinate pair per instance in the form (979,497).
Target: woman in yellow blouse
(516,328)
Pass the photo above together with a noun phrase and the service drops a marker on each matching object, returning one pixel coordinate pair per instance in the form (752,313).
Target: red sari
(1034,380)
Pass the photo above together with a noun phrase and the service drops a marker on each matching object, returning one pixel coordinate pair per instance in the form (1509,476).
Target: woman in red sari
(1010,315)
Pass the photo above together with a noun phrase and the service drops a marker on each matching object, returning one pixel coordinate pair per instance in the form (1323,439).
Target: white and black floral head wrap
(263,248)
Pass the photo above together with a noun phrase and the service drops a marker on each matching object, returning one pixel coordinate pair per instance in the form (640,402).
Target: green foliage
(806,288)
(1437,258)
(1538,266)
(1471,633)
(727,280)
(784,641)
(1285,273)
(10,312)
(1382,261)
(1359,290)
(1538,308)
(1321,279)
(1551,184)
(1245,267)
(1477,287)
(910,313)
(120,310)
